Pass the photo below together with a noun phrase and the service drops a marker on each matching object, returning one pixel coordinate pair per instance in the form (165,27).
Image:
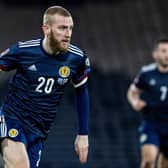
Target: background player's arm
(133,96)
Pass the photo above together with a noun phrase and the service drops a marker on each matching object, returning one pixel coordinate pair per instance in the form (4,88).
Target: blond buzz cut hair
(53,10)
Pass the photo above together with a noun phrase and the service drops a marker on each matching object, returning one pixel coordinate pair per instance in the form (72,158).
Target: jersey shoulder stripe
(30,43)
(149,67)
(75,50)
(77,53)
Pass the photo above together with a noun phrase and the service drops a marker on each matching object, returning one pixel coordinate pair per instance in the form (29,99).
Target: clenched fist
(138,104)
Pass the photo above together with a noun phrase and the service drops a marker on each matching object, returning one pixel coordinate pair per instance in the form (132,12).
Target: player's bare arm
(133,96)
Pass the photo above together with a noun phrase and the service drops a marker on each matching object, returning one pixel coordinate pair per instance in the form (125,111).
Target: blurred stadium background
(118,36)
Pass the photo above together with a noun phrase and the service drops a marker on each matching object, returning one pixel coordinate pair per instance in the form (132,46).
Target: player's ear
(154,54)
(46,29)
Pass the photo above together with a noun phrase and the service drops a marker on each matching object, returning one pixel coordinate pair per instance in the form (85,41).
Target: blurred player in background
(44,67)
(149,93)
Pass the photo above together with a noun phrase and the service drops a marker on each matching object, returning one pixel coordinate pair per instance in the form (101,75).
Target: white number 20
(45,85)
(164,91)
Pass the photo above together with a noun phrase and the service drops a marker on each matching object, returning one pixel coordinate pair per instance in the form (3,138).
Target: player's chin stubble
(55,44)
(162,64)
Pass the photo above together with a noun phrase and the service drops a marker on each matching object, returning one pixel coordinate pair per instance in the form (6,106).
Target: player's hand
(81,147)
(138,104)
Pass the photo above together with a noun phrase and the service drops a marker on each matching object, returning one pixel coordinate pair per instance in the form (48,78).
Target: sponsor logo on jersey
(4,52)
(62,81)
(64,71)
(87,62)
(13,133)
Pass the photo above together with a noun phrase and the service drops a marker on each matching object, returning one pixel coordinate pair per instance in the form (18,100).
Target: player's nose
(68,33)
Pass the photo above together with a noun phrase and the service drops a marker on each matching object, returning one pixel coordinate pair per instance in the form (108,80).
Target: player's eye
(163,50)
(71,27)
(63,28)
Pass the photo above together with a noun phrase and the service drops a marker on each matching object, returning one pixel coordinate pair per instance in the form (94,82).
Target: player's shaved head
(163,40)
(53,10)
(160,53)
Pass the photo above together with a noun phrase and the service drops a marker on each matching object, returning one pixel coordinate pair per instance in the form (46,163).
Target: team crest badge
(152,82)
(64,71)
(13,133)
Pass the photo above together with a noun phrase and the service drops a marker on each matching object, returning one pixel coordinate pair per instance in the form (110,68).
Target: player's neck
(162,69)
(47,47)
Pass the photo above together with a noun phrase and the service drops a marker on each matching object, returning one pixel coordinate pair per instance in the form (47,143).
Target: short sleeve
(81,75)
(9,59)
(139,80)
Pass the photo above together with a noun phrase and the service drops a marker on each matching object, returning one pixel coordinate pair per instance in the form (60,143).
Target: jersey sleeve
(9,59)
(81,75)
(139,80)
(82,103)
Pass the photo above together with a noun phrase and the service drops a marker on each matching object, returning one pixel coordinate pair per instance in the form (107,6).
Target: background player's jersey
(38,85)
(154,86)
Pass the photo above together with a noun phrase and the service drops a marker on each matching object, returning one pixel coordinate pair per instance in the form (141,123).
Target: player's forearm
(82,103)
(133,94)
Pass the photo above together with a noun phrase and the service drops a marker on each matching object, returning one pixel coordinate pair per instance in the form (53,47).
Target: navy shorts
(12,129)
(151,133)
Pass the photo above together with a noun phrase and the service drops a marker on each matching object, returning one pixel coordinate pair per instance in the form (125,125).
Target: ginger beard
(58,45)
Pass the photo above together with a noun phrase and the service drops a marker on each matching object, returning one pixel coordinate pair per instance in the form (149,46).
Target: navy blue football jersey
(154,86)
(38,84)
